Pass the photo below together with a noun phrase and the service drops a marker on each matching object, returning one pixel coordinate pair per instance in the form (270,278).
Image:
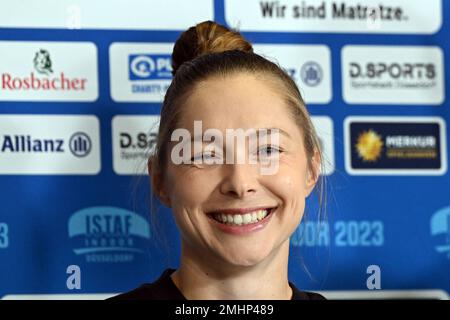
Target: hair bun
(206,37)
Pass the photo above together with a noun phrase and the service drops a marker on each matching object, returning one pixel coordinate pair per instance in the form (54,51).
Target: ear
(313,173)
(157,184)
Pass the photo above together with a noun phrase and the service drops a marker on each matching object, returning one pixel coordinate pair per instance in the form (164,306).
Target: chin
(246,259)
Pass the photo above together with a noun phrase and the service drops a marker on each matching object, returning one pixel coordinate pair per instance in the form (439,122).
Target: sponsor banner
(50,144)
(350,16)
(325,131)
(115,14)
(395,146)
(140,72)
(134,138)
(308,65)
(393,75)
(351,233)
(48,71)
(108,234)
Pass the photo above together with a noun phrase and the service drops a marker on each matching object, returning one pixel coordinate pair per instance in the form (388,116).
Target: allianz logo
(108,229)
(79,144)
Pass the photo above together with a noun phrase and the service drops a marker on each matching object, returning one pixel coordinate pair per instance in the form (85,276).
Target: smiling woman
(235,222)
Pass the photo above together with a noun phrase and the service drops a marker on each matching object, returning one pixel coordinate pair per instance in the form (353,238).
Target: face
(201,194)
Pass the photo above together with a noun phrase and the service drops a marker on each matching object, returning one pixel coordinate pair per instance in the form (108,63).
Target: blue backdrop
(379,95)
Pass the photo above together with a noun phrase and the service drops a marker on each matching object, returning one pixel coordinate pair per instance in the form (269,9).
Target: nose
(239,180)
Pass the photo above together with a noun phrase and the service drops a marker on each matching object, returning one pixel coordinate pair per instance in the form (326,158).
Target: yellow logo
(369,146)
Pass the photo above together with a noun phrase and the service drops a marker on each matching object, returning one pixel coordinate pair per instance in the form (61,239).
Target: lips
(240,210)
(241,216)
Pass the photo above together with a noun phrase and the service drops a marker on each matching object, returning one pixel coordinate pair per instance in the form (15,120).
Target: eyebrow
(200,138)
(279,129)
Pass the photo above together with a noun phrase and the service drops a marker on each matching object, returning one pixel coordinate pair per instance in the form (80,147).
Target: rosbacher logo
(43,78)
(48,71)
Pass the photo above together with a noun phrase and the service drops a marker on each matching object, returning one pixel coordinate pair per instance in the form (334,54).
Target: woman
(235,220)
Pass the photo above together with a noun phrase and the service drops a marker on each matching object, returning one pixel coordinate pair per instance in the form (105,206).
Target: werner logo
(108,234)
(440,230)
(140,71)
(134,139)
(395,145)
(53,144)
(150,66)
(48,71)
(393,75)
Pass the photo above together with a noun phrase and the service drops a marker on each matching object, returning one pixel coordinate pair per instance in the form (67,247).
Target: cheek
(291,192)
(188,188)
(187,192)
(290,179)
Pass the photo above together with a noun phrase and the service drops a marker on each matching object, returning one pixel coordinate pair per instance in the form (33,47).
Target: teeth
(238,219)
(260,215)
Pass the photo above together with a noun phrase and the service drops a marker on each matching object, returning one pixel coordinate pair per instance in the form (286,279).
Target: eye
(269,150)
(203,156)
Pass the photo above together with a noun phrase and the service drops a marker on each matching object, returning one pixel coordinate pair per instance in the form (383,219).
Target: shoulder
(312,296)
(143,292)
(162,289)
(304,295)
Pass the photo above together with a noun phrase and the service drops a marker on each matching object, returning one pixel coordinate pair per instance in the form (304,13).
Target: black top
(165,289)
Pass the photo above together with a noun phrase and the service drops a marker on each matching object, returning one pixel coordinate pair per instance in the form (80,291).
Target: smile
(242,219)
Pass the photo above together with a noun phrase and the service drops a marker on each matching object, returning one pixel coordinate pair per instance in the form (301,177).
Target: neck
(200,277)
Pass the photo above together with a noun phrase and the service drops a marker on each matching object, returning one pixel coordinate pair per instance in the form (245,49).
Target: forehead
(236,101)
